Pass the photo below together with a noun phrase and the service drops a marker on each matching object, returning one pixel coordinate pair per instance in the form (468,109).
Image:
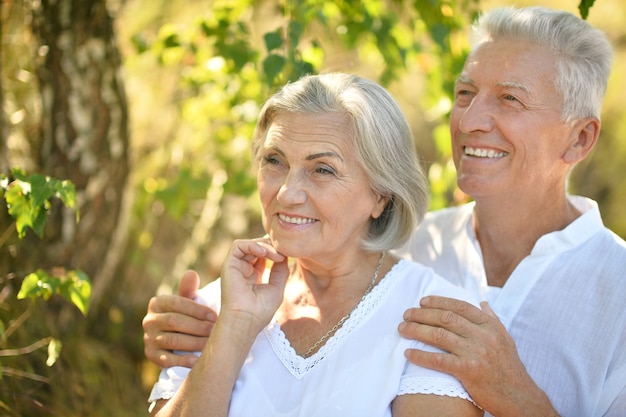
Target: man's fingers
(167,359)
(174,303)
(177,323)
(444,320)
(189,284)
(443,362)
(181,342)
(459,307)
(487,309)
(436,336)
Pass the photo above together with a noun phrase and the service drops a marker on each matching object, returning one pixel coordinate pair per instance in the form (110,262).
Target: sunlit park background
(147,108)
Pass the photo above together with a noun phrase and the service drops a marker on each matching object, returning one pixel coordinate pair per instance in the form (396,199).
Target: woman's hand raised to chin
(244,295)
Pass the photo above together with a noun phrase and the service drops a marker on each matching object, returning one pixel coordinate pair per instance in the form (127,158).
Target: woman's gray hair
(584,54)
(383,142)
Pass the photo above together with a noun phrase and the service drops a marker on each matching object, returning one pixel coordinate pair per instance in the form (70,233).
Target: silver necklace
(347,316)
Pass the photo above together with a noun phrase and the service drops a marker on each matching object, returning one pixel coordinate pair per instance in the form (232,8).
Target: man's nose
(477,116)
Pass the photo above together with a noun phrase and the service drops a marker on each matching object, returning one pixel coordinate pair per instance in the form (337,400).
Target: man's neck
(507,230)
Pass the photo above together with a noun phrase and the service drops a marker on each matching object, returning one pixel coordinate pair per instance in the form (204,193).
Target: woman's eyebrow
(324,154)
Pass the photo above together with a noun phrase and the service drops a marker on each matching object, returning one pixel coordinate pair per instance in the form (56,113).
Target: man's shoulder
(438,229)
(449,217)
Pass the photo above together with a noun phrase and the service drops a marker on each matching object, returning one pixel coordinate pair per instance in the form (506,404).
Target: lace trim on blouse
(299,366)
(437,386)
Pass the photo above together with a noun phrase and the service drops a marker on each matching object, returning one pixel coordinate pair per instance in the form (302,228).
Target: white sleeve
(171,379)
(420,380)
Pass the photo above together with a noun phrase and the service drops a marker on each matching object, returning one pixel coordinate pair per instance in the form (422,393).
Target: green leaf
(41,189)
(54,350)
(272,66)
(295,31)
(73,285)
(28,199)
(584,7)
(77,289)
(273,40)
(36,284)
(21,209)
(66,192)
(171,41)
(140,43)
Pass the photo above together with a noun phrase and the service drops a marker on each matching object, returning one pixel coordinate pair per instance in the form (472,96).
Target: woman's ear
(585,134)
(380,204)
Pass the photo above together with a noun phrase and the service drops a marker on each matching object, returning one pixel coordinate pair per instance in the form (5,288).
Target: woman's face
(316,197)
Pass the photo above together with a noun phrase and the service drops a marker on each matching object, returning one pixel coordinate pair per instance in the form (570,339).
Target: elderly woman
(340,185)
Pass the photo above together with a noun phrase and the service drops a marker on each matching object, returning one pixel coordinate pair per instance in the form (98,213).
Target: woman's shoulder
(427,282)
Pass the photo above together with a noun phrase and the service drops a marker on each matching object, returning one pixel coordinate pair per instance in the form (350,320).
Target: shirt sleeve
(171,379)
(420,380)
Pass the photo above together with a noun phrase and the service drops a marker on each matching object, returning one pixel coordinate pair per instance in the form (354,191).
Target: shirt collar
(581,229)
(574,234)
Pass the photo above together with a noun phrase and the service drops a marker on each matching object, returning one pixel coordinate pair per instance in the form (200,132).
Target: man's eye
(510,97)
(463,96)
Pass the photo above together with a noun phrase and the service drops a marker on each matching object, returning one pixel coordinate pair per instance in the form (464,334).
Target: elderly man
(527,110)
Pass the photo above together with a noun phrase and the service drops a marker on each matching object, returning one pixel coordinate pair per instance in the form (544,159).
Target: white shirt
(358,372)
(564,304)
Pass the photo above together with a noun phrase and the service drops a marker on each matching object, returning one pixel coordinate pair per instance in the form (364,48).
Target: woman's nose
(293,190)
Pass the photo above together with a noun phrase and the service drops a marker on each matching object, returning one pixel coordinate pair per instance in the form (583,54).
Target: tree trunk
(83,135)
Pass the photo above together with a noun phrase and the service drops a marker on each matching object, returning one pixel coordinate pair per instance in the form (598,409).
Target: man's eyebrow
(464,80)
(514,84)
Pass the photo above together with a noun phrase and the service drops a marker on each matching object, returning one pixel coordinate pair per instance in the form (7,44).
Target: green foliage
(72,285)
(28,199)
(229,64)
(584,6)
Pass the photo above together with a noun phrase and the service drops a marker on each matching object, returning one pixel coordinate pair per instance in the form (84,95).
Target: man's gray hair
(584,54)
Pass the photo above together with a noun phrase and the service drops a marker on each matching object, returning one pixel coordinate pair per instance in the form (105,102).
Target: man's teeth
(483,153)
(295,220)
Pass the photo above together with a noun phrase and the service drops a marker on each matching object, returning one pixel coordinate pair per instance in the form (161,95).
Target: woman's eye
(271,160)
(325,170)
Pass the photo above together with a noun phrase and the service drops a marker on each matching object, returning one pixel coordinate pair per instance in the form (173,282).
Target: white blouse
(358,372)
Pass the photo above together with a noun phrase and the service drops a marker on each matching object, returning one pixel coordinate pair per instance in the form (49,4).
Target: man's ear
(585,134)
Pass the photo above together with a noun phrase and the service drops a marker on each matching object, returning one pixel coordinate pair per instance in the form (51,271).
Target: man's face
(508,138)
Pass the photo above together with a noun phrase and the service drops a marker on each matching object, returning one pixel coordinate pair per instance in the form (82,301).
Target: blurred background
(147,107)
